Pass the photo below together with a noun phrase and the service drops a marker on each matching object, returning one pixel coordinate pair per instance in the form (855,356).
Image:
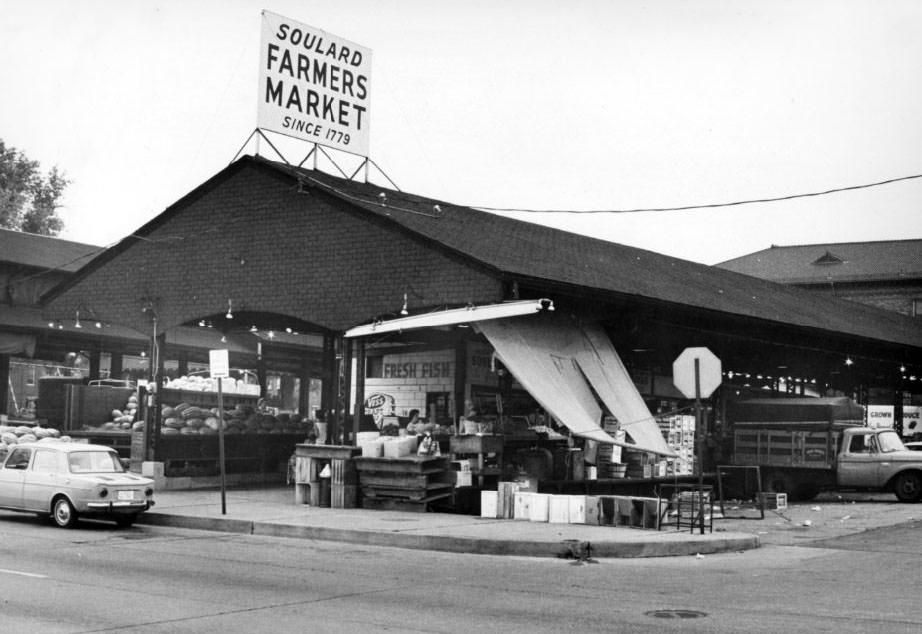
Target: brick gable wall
(256,240)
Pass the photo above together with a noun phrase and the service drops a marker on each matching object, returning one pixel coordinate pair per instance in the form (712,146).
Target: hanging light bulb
(51,324)
(77,323)
(848,361)
(230,312)
(271,334)
(404,311)
(98,324)
(253,328)
(223,339)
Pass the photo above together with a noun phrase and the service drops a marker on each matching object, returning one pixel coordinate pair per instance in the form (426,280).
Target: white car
(66,480)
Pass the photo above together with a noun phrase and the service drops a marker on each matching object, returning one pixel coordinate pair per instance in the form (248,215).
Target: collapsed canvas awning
(568,368)
(454,316)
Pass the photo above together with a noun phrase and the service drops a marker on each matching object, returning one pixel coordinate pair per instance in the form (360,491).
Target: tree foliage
(29,199)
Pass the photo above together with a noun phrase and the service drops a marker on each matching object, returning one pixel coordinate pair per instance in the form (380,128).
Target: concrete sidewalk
(272,511)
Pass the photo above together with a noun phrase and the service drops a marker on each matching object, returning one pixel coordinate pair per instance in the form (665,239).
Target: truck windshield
(890,441)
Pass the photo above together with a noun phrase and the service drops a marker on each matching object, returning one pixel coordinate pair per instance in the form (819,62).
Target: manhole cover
(675,614)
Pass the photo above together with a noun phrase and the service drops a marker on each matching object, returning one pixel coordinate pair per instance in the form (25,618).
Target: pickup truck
(805,445)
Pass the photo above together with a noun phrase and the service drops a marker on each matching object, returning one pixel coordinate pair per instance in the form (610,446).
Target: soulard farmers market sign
(313,85)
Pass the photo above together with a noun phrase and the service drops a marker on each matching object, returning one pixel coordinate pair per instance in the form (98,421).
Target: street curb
(445,543)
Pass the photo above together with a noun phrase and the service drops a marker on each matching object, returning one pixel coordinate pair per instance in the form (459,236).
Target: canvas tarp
(568,368)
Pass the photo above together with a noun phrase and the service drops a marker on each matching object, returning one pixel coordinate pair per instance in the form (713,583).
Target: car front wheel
(64,513)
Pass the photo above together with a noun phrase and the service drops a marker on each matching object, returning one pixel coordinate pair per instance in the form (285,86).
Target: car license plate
(126,495)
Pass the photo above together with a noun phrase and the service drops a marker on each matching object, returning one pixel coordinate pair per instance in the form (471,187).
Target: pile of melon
(242,419)
(10,435)
(121,419)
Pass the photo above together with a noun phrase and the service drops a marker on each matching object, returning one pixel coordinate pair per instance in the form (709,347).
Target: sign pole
(220,369)
(699,433)
(221,448)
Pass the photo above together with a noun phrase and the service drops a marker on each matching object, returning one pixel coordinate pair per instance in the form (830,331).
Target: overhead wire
(704,206)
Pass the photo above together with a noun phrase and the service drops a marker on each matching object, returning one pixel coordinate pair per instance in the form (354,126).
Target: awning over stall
(565,366)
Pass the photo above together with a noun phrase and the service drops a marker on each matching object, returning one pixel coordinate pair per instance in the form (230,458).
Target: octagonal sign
(709,372)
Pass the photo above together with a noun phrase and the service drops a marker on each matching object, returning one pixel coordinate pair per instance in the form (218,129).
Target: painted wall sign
(418,370)
(313,85)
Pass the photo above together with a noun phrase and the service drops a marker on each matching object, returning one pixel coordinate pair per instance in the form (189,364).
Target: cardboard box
(522,508)
(539,507)
(559,509)
(488,504)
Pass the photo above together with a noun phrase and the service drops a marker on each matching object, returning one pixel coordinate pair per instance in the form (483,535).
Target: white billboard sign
(313,85)
(880,416)
(912,419)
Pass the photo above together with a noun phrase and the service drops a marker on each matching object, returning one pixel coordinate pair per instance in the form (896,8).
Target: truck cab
(877,459)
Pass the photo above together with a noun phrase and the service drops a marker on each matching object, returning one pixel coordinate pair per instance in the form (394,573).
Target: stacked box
(679,432)
(609,458)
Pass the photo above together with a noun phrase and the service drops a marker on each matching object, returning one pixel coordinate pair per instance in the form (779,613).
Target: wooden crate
(410,480)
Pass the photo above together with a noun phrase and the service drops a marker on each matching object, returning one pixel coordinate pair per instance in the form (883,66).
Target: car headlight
(103,492)
(148,492)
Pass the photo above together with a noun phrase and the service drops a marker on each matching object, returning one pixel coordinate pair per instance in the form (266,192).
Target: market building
(263,251)
(882,273)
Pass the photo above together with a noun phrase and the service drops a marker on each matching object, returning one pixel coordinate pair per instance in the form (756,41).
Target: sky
(524,104)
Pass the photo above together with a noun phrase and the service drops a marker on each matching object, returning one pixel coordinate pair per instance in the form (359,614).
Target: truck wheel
(806,492)
(776,482)
(908,487)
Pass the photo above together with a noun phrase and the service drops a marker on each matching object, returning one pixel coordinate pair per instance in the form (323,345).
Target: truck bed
(809,445)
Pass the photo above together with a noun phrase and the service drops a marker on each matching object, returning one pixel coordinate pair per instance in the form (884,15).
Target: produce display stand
(172,396)
(198,456)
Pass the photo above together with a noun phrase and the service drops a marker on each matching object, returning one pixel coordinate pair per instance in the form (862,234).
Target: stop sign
(709,372)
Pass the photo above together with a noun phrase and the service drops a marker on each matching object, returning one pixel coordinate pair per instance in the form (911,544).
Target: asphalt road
(157,580)
(162,580)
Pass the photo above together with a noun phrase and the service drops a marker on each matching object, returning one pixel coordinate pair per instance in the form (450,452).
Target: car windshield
(94,462)
(890,441)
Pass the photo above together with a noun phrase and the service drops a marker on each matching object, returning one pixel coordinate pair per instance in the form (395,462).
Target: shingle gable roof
(525,249)
(833,262)
(533,252)
(29,249)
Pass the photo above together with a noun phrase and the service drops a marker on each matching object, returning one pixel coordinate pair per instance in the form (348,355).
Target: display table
(310,460)
(408,483)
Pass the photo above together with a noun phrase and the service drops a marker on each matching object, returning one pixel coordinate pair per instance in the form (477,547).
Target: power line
(708,206)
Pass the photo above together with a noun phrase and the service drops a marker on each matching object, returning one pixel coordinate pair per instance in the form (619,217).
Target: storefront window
(283,391)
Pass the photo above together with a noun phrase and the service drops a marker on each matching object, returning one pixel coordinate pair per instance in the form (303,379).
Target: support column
(460,384)
(358,405)
(304,396)
(95,356)
(345,387)
(5,384)
(328,376)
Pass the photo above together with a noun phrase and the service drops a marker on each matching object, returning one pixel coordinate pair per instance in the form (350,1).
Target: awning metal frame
(454,316)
